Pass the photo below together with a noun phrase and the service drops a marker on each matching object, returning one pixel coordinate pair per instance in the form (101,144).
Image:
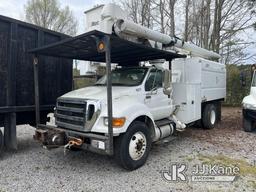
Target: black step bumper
(91,141)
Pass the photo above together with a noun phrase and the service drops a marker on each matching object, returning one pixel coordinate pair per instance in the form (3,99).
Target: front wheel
(247,124)
(132,148)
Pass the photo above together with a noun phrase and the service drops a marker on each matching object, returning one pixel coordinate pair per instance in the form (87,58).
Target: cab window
(125,77)
(154,80)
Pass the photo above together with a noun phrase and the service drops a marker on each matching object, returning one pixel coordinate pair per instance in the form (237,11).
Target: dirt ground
(228,133)
(33,168)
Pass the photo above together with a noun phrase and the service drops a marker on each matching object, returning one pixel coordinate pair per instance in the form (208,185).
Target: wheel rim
(213,117)
(137,146)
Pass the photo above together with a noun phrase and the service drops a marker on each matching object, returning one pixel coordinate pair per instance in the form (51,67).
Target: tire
(219,111)
(1,141)
(209,118)
(248,125)
(132,148)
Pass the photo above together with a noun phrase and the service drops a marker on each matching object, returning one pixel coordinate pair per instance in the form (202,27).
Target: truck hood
(100,92)
(248,100)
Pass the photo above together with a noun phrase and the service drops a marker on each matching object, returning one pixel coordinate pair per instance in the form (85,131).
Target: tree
(162,14)
(139,11)
(172,16)
(187,5)
(49,14)
(217,25)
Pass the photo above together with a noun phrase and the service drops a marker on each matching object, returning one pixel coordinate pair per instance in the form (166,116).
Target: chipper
(140,101)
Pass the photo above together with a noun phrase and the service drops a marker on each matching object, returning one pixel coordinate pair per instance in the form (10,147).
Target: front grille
(71,114)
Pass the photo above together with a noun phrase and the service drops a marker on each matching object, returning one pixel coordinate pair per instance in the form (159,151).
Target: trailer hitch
(77,142)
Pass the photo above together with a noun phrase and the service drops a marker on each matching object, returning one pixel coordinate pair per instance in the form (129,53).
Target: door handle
(148,96)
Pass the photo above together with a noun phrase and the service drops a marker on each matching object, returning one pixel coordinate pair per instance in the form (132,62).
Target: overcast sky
(15,8)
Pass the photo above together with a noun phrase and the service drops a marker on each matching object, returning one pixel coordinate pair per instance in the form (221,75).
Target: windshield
(125,77)
(254,79)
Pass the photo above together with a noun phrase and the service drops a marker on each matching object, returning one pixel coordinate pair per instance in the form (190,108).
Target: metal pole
(109,93)
(10,132)
(36,87)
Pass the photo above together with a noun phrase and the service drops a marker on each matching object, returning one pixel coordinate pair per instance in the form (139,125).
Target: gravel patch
(33,168)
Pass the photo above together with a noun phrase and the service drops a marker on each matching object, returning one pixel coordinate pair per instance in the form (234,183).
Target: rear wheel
(1,141)
(209,118)
(132,148)
(248,125)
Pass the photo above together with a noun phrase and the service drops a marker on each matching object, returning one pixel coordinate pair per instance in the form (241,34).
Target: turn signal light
(101,46)
(116,122)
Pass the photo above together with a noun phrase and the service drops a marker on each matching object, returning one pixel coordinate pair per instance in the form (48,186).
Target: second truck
(249,107)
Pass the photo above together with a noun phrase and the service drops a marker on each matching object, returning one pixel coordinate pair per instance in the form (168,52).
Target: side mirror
(167,82)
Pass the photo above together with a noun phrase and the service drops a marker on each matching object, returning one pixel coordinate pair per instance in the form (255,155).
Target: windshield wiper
(121,84)
(113,84)
(99,84)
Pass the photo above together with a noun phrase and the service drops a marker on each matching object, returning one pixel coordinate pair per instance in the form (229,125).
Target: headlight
(249,106)
(116,122)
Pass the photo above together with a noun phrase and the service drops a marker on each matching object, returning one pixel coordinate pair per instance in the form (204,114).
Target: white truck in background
(249,107)
(150,103)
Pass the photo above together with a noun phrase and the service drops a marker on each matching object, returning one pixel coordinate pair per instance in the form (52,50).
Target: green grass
(189,158)
(244,167)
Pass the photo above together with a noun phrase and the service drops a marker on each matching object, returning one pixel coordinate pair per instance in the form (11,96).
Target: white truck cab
(136,92)
(249,107)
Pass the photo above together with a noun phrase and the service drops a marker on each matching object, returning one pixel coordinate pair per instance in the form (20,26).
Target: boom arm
(125,27)
(114,19)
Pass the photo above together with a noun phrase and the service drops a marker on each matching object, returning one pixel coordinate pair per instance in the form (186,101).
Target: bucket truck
(146,102)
